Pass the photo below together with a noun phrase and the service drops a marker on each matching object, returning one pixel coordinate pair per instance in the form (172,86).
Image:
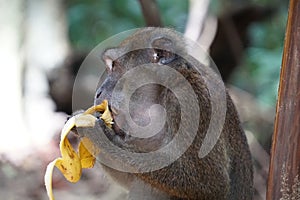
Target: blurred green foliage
(259,73)
(91,22)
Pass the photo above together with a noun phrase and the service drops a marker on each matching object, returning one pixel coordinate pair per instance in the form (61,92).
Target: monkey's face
(133,86)
(130,100)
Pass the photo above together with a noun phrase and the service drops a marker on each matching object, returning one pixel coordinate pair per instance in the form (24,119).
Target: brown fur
(225,173)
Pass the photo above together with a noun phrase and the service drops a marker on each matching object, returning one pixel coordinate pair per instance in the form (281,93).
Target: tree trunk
(284,170)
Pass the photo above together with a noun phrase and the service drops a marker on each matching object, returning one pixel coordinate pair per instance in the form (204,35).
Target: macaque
(224,173)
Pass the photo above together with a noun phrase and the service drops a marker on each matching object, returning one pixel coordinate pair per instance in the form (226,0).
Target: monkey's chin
(117,135)
(119,132)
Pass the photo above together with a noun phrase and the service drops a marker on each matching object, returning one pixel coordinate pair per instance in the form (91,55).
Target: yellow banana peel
(71,162)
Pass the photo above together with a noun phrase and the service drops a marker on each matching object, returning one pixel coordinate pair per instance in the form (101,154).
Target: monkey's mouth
(117,124)
(108,114)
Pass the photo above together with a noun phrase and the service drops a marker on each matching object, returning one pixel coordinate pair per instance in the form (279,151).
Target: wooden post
(283,182)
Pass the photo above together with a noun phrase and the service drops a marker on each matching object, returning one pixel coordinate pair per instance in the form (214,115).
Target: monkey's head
(141,72)
(159,100)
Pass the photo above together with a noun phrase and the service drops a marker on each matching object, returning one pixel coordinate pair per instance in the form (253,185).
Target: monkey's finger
(85,120)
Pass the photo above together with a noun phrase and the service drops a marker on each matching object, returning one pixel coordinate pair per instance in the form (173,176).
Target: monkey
(226,172)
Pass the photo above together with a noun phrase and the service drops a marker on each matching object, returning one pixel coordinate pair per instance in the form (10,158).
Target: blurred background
(44,42)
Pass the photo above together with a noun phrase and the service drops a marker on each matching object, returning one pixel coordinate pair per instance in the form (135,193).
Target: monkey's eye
(109,63)
(156,57)
(163,57)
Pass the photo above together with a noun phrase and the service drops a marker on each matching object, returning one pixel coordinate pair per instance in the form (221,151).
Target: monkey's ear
(108,63)
(109,56)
